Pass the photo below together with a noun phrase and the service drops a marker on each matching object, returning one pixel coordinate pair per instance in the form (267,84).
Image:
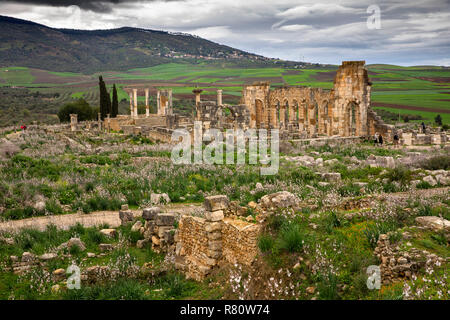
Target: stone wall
(240,241)
(193,247)
(202,242)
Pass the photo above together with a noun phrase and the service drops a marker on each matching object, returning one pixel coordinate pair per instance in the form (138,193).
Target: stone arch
(274,113)
(303,115)
(259,113)
(352,124)
(325,118)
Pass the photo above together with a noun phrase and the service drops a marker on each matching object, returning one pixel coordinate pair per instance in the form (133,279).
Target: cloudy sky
(414,32)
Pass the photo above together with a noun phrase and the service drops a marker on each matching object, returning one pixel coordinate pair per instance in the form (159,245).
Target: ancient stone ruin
(299,112)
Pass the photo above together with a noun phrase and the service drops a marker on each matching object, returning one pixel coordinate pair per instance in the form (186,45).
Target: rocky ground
(355,206)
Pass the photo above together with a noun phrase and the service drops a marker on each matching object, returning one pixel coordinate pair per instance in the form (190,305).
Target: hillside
(25,43)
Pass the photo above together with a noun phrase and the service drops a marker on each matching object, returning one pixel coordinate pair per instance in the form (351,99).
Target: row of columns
(163,108)
(293,118)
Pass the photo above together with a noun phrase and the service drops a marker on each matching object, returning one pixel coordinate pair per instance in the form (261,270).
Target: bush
(400,174)
(291,238)
(327,287)
(266,243)
(80,107)
(373,231)
(441,162)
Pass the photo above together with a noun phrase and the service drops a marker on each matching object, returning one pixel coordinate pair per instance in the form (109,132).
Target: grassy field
(421,90)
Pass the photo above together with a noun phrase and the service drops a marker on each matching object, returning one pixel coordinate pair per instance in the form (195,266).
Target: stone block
(213,226)
(165,219)
(156,241)
(215,245)
(214,216)
(125,216)
(150,213)
(214,236)
(169,236)
(111,233)
(215,203)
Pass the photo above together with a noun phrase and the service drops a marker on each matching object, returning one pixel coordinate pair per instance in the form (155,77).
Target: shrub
(291,238)
(266,243)
(441,162)
(331,221)
(53,207)
(327,287)
(94,236)
(80,107)
(373,231)
(400,174)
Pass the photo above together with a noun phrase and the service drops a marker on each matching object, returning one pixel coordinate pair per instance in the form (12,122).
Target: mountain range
(28,44)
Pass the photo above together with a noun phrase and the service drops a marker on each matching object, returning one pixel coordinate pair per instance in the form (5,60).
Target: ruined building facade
(298,111)
(303,111)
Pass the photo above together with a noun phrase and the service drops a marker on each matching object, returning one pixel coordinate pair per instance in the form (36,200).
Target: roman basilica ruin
(298,112)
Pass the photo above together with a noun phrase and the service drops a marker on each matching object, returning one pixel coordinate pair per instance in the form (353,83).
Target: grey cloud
(322,31)
(92,5)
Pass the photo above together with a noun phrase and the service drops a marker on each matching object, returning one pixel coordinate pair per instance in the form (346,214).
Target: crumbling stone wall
(240,241)
(203,242)
(309,112)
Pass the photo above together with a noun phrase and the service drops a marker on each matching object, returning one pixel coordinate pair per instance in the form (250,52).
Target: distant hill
(28,44)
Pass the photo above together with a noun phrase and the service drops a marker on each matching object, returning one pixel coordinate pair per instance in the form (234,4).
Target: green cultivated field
(421,90)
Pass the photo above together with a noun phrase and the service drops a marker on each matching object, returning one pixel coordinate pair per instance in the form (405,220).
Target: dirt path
(64,221)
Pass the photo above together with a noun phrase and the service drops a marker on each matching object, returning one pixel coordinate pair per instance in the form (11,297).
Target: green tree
(80,107)
(115,103)
(438,120)
(105,98)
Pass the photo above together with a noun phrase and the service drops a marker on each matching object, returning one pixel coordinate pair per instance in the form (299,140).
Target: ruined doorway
(259,113)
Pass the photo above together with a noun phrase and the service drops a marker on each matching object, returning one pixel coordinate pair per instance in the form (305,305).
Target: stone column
(99,119)
(147,110)
(73,121)
(169,110)
(135,113)
(197,93)
(108,121)
(131,103)
(219,97)
(158,102)
(215,207)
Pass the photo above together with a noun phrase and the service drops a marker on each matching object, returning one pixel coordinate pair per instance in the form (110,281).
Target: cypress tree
(115,103)
(103,102)
(105,99)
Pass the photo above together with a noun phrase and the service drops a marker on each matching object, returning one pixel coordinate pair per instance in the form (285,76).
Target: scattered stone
(76,242)
(150,213)
(165,219)
(136,226)
(141,243)
(434,223)
(331,176)
(216,203)
(110,233)
(280,200)
(48,256)
(103,247)
(159,198)
(28,257)
(310,290)
(430,180)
